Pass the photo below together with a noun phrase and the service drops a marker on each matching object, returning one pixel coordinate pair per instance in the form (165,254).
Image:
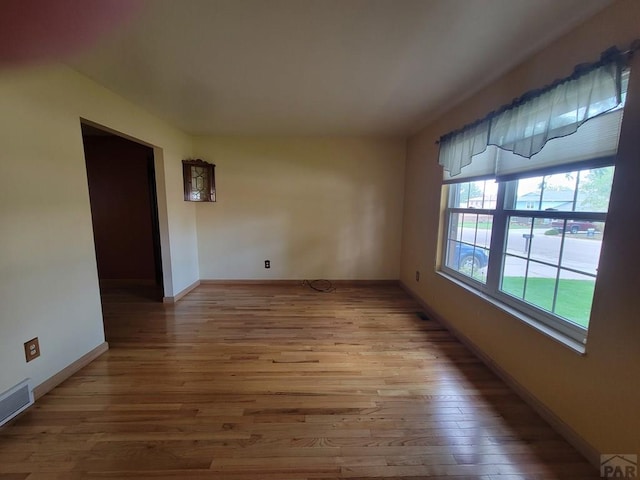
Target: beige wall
(316,208)
(48,279)
(598,394)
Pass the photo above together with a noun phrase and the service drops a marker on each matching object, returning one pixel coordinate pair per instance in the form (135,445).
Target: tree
(554,183)
(467,191)
(595,189)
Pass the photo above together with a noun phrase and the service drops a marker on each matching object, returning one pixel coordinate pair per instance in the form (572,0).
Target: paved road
(580,252)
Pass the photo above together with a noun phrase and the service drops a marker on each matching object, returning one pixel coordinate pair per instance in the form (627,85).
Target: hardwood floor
(282,382)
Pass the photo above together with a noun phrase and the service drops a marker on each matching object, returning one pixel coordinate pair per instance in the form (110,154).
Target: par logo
(618,466)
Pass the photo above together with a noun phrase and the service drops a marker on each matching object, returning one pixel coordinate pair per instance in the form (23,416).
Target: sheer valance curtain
(503,142)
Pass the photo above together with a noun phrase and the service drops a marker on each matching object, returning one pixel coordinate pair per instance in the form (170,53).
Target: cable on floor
(321,285)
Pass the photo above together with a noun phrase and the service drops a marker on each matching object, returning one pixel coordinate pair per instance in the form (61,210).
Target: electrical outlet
(31,349)
(417,275)
(267,264)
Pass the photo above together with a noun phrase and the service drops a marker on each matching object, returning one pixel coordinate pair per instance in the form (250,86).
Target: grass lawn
(487,226)
(481,225)
(574,296)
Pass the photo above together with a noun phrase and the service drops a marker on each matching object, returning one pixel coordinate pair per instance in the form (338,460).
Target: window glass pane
(575,296)
(468,260)
(461,195)
(581,249)
(468,246)
(483,231)
(468,227)
(548,192)
(557,192)
(490,195)
(519,235)
(545,242)
(456,222)
(478,194)
(540,286)
(471,228)
(594,189)
(528,194)
(513,274)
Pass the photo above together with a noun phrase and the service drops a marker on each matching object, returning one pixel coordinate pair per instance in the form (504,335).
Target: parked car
(573,226)
(466,258)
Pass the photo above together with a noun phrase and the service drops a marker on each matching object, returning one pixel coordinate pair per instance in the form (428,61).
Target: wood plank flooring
(282,382)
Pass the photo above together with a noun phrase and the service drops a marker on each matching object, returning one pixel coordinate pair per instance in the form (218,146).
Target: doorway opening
(124,212)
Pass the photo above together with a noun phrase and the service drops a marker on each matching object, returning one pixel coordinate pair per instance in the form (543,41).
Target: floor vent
(15,400)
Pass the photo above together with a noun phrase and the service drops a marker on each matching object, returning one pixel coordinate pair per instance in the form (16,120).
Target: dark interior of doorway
(124,210)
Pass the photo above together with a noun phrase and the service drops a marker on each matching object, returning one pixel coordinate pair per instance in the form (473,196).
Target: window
(528,232)
(546,258)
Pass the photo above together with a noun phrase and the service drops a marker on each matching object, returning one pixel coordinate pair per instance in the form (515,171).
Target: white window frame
(506,196)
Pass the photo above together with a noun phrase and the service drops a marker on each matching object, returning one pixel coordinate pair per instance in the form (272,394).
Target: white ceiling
(319,67)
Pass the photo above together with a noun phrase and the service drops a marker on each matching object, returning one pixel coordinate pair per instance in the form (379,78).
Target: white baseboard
(181,294)
(69,370)
(556,422)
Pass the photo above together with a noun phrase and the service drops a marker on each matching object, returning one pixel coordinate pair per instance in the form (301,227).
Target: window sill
(532,322)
